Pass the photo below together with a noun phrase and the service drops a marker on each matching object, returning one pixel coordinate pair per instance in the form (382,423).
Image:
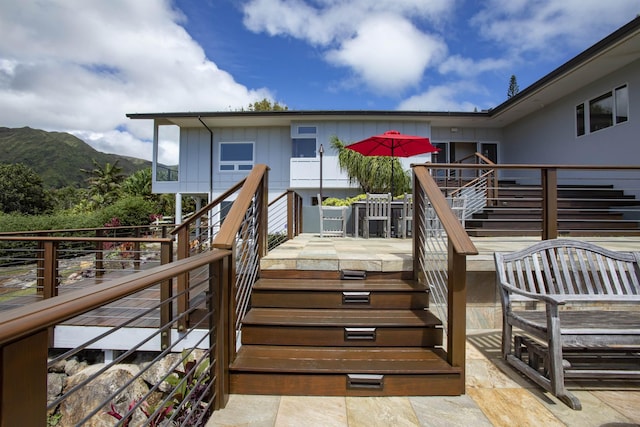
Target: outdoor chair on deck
(377,208)
(459,207)
(407,215)
(333,220)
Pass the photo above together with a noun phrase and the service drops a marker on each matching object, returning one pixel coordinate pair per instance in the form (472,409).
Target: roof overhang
(286,118)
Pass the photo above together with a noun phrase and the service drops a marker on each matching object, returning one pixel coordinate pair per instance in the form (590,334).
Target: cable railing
(40,267)
(177,323)
(141,371)
(586,201)
(285,218)
(440,249)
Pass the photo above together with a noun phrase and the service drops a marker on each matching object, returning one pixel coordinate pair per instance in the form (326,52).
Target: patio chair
(407,215)
(377,208)
(333,220)
(459,207)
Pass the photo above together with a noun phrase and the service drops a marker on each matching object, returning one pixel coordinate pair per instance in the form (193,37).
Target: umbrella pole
(392,162)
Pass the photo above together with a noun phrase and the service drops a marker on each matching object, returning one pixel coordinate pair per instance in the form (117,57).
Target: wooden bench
(576,307)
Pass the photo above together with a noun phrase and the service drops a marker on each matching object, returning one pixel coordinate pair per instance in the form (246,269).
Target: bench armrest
(550,299)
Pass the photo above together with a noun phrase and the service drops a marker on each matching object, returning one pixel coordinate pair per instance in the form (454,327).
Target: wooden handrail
(23,321)
(227,234)
(460,240)
(475,155)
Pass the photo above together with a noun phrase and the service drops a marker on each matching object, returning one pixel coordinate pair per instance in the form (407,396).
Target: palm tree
(104,182)
(373,173)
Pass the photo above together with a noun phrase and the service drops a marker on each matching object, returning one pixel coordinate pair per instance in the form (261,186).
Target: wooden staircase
(331,337)
(590,210)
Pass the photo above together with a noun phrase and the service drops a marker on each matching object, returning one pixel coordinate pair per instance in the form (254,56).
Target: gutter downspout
(210,196)
(210,159)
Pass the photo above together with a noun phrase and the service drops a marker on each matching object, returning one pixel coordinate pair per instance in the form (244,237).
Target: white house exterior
(585,112)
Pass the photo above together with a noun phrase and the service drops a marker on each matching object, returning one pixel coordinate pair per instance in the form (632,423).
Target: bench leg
(507,337)
(556,369)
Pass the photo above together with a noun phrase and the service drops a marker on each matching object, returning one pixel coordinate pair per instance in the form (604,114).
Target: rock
(94,393)
(159,370)
(55,383)
(73,366)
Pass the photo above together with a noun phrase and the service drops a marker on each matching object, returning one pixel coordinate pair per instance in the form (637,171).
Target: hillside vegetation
(58,157)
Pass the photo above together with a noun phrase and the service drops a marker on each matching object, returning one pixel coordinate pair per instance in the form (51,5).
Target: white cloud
(547,26)
(388,53)
(468,67)
(443,98)
(69,65)
(378,41)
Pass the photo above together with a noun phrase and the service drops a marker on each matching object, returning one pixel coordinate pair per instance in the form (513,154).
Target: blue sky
(81,65)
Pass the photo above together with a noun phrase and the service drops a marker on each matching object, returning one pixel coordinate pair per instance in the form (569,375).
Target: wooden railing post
(291,214)
(457,309)
(549,180)
(50,270)
(219,333)
(23,381)
(166,293)
(263,205)
(183,280)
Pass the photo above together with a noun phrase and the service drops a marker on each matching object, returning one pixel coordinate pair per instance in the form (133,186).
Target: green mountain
(58,157)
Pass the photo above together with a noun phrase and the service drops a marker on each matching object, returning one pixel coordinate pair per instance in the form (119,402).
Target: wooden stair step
(397,360)
(341,327)
(387,285)
(278,370)
(340,317)
(362,294)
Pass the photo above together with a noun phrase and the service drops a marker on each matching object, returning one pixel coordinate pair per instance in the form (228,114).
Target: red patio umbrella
(393,144)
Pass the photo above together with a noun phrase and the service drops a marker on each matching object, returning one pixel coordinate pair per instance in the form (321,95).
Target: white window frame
(237,164)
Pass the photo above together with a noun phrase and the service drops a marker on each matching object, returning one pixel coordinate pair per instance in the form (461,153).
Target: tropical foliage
(372,173)
(21,191)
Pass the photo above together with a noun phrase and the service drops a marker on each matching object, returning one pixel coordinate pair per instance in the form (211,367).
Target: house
(584,112)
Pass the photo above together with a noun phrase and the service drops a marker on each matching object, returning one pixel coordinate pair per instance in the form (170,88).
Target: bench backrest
(570,267)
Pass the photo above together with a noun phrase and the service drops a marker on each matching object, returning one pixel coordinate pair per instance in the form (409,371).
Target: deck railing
(551,200)
(42,266)
(285,218)
(440,248)
(131,314)
(155,310)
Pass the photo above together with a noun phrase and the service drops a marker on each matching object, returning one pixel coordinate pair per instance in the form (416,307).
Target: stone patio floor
(496,395)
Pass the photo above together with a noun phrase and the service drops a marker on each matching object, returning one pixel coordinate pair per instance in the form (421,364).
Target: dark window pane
(580,119)
(303,147)
(227,167)
(245,167)
(236,152)
(622,104)
(302,130)
(601,112)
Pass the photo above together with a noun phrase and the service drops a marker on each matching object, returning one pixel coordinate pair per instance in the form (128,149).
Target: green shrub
(332,201)
(129,211)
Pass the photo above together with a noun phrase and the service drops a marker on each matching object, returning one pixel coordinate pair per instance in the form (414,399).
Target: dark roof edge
(303,113)
(627,29)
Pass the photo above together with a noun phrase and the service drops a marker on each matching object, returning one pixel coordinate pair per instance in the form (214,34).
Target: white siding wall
(549,136)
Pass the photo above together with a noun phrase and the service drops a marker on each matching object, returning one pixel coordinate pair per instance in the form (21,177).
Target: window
(606,110)
(622,104)
(303,147)
(303,141)
(580,119)
(601,112)
(236,156)
(168,153)
(307,130)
